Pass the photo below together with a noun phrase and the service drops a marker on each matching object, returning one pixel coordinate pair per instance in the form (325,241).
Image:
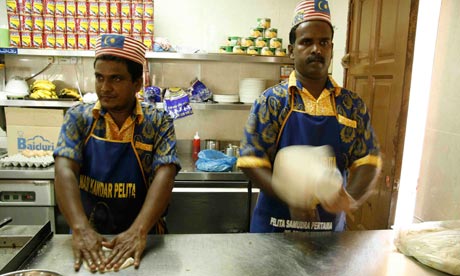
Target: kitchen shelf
(40,104)
(67,104)
(166,56)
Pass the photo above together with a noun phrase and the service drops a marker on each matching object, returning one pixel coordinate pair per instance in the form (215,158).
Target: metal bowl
(32,272)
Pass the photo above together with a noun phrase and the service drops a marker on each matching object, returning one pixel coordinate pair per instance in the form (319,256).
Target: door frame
(403,109)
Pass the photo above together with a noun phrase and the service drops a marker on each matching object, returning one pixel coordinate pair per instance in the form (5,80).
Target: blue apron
(112,184)
(300,128)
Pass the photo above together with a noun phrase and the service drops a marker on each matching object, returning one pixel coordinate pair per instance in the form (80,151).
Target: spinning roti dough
(302,177)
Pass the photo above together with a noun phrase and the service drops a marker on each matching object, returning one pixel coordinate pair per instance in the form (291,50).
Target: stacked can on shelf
(75,25)
(262,40)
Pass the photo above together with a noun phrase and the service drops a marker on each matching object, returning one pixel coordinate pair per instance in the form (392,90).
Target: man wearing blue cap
(310,109)
(115,161)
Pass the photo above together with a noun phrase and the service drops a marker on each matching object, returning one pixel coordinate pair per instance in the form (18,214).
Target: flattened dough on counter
(433,243)
(128,262)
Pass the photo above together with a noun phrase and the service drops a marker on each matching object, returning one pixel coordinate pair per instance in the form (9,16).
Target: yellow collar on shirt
(292,86)
(97,111)
(322,106)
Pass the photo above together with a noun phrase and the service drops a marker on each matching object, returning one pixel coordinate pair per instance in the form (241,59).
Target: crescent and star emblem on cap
(109,40)
(323,6)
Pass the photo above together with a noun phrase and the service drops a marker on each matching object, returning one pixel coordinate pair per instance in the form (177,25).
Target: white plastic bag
(435,244)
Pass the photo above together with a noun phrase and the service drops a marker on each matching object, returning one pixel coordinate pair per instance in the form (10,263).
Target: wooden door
(380,46)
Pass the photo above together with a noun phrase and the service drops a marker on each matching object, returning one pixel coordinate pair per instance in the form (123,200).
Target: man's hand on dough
(127,244)
(87,246)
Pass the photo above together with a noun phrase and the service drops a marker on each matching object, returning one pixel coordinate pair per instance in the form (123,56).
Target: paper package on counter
(435,244)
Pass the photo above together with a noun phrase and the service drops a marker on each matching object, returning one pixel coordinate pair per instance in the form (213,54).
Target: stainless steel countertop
(188,173)
(349,253)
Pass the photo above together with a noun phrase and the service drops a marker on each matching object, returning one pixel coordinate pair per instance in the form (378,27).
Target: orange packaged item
(26,39)
(115,26)
(49,7)
(70,8)
(92,40)
(137,26)
(82,8)
(93,8)
(59,9)
(60,24)
(14,22)
(82,24)
(71,41)
(148,10)
(104,8)
(70,24)
(82,41)
(37,40)
(49,23)
(38,23)
(93,25)
(148,26)
(37,7)
(126,10)
(15,39)
(12,6)
(114,9)
(137,10)
(126,26)
(26,22)
(26,7)
(49,40)
(103,25)
(60,41)
(148,41)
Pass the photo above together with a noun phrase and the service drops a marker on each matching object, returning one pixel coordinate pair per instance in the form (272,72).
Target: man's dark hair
(135,69)
(292,35)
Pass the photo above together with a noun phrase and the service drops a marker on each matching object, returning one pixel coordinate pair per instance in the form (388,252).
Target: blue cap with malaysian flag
(121,46)
(309,10)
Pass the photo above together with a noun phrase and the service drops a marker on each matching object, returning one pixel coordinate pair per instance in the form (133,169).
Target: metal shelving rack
(167,56)
(216,57)
(67,104)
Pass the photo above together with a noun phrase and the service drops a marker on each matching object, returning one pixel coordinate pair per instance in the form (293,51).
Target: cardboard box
(32,128)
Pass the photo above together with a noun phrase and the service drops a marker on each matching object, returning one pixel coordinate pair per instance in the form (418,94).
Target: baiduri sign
(32,128)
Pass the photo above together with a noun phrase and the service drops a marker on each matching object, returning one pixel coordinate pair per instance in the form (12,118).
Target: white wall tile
(438,190)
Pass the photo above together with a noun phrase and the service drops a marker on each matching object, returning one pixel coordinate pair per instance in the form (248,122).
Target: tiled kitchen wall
(438,189)
(220,77)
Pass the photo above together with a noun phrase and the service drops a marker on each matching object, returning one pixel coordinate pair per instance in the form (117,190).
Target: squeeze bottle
(195,146)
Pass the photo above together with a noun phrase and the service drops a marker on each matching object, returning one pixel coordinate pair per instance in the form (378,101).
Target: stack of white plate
(225,98)
(250,89)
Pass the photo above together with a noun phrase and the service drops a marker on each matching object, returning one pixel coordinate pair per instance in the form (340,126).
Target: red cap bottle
(195,146)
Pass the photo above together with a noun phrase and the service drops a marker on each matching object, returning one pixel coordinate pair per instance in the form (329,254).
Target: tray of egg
(29,158)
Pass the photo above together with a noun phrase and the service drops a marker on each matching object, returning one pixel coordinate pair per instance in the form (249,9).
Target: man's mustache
(315,59)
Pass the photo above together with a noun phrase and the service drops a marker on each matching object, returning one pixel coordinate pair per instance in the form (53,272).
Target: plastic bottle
(195,146)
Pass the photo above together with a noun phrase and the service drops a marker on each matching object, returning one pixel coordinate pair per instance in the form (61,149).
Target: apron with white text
(300,128)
